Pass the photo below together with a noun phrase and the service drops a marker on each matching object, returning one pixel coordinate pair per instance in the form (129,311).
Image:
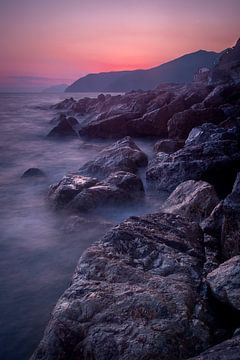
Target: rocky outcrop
(118,189)
(33,172)
(216,162)
(133,296)
(123,155)
(194,200)
(224,282)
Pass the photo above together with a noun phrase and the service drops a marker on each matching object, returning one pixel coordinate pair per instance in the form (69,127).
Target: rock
(224,223)
(225,282)
(118,189)
(210,132)
(62,193)
(221,94)
(194,200)
(168,146)
(180,125)
(64,128)
(133,296)
(216,162)
(33,172)
(123,155)
(226,350)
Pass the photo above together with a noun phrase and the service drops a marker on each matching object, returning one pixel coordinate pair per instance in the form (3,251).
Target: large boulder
(210,155)
(182,123)
(134,295)
(64,191)
(33,173)
(193,200)
(224,282)
(226,350)
(118,189)
(123,155)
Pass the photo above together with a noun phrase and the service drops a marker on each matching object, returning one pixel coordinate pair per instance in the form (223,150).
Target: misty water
(37,253)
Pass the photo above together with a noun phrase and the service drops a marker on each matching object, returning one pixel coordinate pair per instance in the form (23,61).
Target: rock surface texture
(134,295)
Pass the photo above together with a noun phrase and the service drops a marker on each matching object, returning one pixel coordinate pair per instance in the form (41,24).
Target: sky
(47,42)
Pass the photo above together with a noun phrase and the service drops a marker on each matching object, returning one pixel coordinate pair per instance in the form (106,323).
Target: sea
(37,253)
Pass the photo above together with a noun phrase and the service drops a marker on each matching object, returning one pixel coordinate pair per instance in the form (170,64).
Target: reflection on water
(37,254)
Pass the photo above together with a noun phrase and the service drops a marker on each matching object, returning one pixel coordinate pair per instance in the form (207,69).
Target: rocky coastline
(164,285)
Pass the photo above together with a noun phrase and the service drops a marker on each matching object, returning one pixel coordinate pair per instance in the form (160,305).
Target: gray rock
(133,296)
(123,155)
(168,146)
(193,200)
(118,189)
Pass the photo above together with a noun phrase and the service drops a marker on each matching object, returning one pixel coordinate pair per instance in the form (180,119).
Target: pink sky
(59,41)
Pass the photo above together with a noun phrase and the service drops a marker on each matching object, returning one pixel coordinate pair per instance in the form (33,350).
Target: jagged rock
(33,172)
(208,133)
(168,146)
(225,282)
(216,162)
(227,350)
(133,296)
(65,104)
(222,94)
(119,188)
(123,155)
(62,193)
(66,127)
(193,200)
(180,125)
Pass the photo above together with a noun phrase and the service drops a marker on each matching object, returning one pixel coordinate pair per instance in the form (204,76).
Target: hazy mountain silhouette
(179,70)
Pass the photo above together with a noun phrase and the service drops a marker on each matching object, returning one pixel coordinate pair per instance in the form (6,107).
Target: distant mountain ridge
(55,88)
(180,70)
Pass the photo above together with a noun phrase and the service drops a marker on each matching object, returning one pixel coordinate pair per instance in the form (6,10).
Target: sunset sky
(45,42)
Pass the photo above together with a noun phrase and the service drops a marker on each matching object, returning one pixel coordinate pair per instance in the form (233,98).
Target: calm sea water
(37,256)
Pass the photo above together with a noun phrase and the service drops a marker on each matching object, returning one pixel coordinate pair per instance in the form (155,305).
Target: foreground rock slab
(133,296)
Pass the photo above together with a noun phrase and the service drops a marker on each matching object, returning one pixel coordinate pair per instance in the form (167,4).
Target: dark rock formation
(182,123)
(123,155)
(225,282)
(134,295)
(118,189)
(66,127)
(216,162)
(33,172)
(62,193)
(194,200)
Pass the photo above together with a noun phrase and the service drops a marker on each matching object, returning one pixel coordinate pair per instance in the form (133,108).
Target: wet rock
(225,282)
(62,193)
(168,146)
(33,172)
(65,104)
(118,189)
(66,127)
(123,155)
(180,125)
(216,162)
(226,350)
(193,200)
(133,296)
